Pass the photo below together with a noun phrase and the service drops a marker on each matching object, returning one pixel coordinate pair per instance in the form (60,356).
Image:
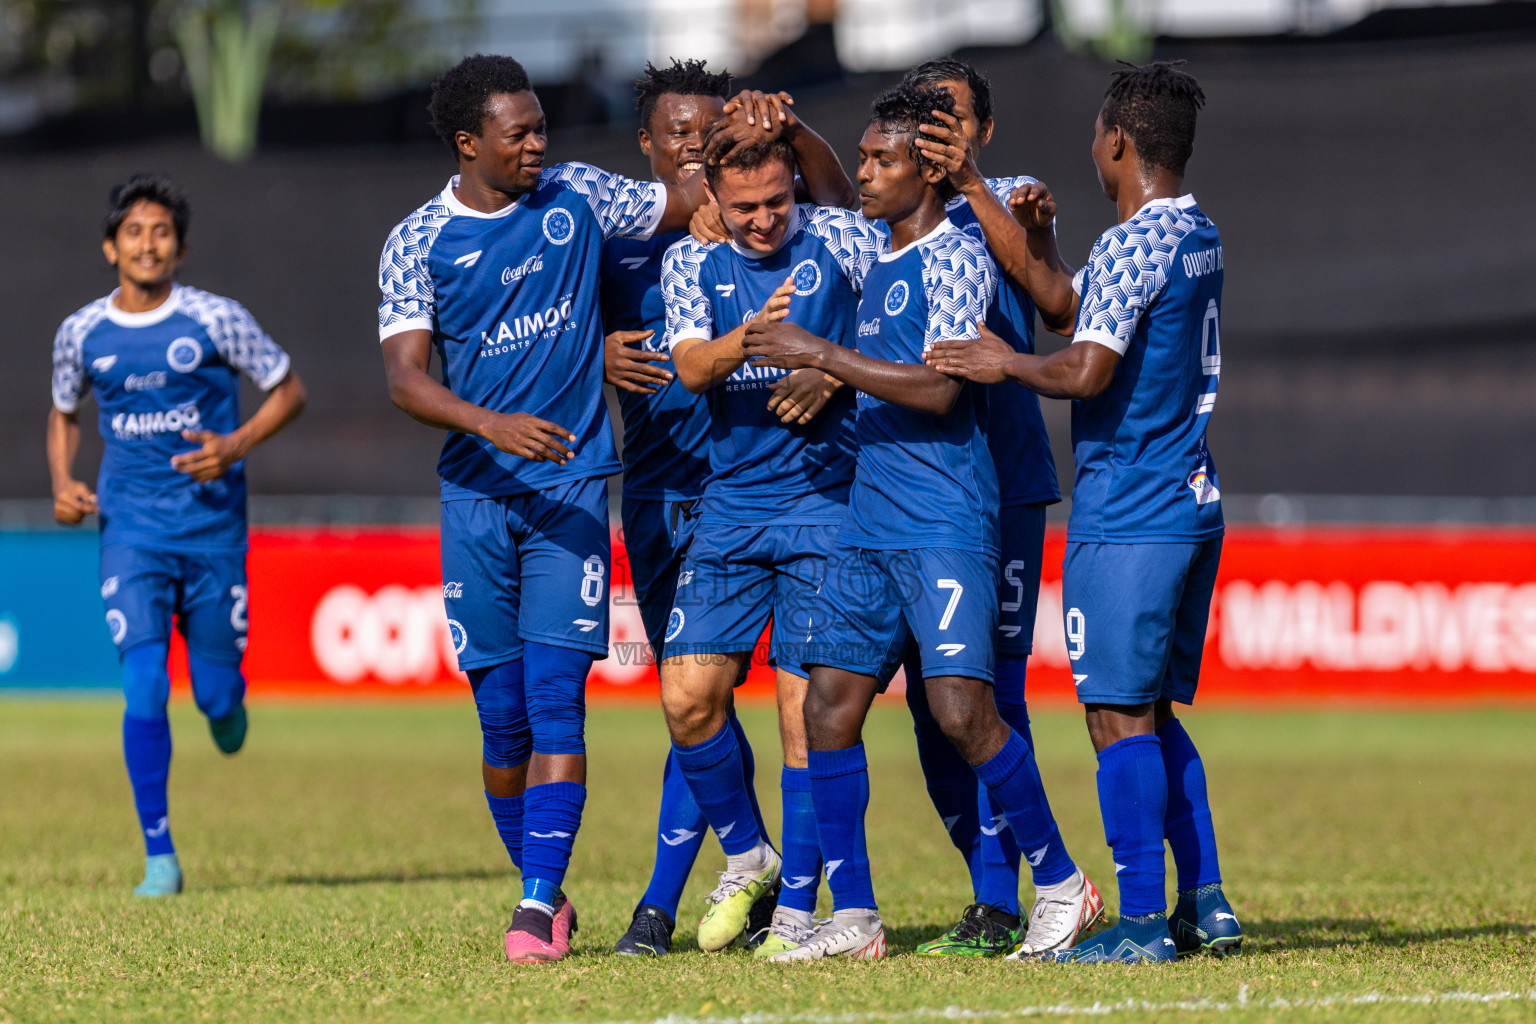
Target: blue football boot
(1203,921)
(229,731)
(162,876)
(1132,940)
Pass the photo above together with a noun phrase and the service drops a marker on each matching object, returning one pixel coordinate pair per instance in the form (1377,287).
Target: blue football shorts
(527,567)
(144,587)
(1135,618)
(656,537)
(1021,536)
(874,602)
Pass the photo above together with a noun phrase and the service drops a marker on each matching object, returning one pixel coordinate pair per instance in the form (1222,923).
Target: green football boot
(983,930)
(229,731)
(730,905)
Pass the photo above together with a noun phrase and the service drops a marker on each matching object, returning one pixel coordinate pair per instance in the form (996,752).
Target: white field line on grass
(1097,1009)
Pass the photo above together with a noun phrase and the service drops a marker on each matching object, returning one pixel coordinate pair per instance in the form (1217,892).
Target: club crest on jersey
(806,277)
(457,635)
(896,298)
(117,622)
(1205,490)
(184,355)
(559,226)
(675,623)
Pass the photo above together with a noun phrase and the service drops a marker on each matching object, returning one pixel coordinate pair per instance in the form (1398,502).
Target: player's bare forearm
(682,201)
(1029,257)
(415,392)
(825,180)
(703,364)
(72,499)
(1080,370)
(281,407)
(910,384)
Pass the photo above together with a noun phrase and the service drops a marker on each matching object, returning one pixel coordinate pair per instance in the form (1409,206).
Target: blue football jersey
(666,435)
(511,299)
(924,481)
(1151,291)
(759,467)
(155,375)
(1016,435)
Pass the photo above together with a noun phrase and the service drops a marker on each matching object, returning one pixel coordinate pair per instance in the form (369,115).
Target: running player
(1066,903)
(666,428)
(1145,535)
(776,489)
(499,272)
(916,558)
(164,360)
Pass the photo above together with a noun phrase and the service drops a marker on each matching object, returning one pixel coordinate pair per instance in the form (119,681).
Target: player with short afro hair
(903,109)
(682,78)
(934,73)
(461,94)
(1156,104)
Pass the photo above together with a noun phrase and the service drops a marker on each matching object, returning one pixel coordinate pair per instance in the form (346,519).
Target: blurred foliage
(226,47)
(1127,34)
(117,52)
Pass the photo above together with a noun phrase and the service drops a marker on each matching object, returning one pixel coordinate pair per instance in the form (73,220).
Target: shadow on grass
(1333,932)
(393,877)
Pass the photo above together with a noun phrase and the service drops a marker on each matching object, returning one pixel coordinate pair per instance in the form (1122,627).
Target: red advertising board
(1314,615)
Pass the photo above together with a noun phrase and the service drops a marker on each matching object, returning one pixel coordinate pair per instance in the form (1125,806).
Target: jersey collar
(1184,202)
(149,317)
(944,225)
(789,233)
(460,210)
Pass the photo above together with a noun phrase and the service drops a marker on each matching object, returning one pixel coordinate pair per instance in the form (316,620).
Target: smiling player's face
(145,250)
(508,154)
(755,204)
(891,185)
(674,140)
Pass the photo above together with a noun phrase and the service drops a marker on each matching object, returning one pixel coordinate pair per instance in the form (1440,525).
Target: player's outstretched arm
(72,499)
(753,115)
(408,355)
(913,385)
(702,364)
(682,201)
(1081,370)
(217,452)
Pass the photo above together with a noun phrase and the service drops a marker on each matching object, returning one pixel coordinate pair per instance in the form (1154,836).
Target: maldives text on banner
(1307,616)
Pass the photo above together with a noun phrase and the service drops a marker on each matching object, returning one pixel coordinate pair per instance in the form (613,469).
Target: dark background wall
(1379,327)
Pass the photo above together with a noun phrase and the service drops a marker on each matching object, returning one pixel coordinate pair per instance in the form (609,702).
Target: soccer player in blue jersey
(666,427)
(164,361)
(916,557)
(499,272)
(776,489)
(1066,903)
(1145,535)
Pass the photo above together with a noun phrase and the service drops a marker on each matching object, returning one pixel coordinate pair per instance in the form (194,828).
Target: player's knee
(834,712)
(507,740)
(146,683)
(218,687)
(695,702)
(556,698)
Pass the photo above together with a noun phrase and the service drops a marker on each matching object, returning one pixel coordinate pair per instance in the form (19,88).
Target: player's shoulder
(584,179)
(209,308)
(687,254)
(953,246)
(85,319)
(1003,187)
(419,229)
(835,225)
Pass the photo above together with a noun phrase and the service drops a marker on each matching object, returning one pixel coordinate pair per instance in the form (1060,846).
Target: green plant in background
(1127,36)
(226,47)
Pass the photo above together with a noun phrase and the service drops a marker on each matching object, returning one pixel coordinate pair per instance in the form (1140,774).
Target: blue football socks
(147,750)
(801,847)
(680,833)
(1187,825)
(551,818)
(1133,797)
(840,790)
(716,775)
(507,813)
(1033,831)
(952,784)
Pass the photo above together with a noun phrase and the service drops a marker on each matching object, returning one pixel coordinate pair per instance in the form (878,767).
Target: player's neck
(132,297)
(928,215)
(1156,183)
(479,196)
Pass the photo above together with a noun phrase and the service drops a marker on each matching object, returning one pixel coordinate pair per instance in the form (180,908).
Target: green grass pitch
(344,868)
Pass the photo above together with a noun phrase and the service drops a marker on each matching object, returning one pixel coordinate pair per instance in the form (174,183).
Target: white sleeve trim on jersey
(70,382)
(623,206)
(1105,338)
(395,327)
(689,314)
(1077,280)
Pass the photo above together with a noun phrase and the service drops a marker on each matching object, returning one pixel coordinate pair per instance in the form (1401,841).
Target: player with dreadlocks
(666,428)
(1144,539)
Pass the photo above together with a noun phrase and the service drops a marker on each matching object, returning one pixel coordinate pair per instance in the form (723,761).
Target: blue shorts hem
(490,660)
(598,650)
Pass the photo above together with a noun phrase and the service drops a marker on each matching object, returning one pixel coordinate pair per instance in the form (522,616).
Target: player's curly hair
(948,69)
(749,158)
(901,110)
(683,78)
(1156,104)
(460,95)
(155,188)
